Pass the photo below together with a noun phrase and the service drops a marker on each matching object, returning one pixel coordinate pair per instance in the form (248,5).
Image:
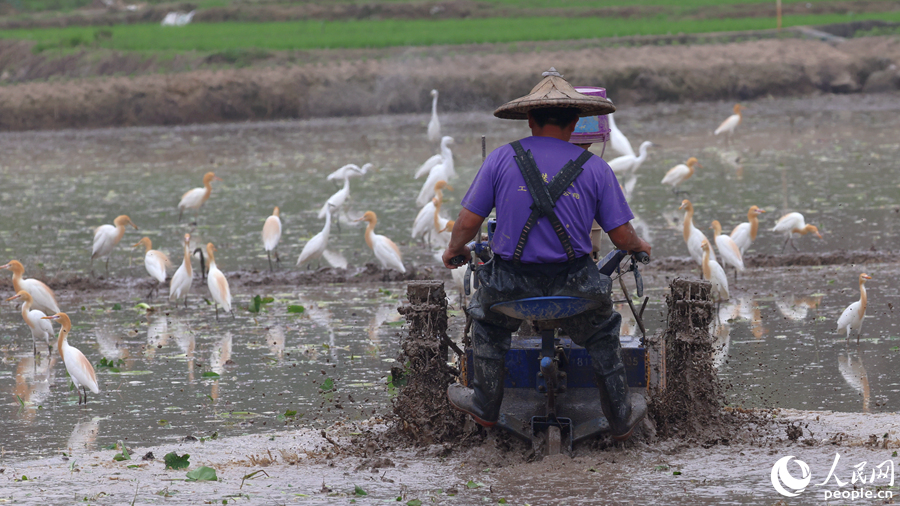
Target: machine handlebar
(642,257)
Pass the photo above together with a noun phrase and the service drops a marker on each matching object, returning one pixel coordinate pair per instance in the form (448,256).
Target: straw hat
(554,91)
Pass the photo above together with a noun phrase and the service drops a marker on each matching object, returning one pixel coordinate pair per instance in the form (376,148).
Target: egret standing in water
(744,234)
(793,223)
(731,123)
(217,284)
(728,250)
(434,126)
(680,173)
(315,247)
(693,237)
(43,298)
(422,225)
(156,262)
(271,234)
(852,317)
(195,198)
(106,237)
(41,329)
(627,164)
(387,253)
(714,273)
(335,202)
(180,284)
(349,170)
(80,369)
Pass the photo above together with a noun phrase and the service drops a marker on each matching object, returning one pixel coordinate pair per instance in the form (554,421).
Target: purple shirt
(594,195)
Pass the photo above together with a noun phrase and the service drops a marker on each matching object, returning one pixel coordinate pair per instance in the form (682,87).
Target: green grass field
(303,35)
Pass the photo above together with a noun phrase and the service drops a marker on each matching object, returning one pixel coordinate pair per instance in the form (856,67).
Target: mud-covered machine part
(550,395)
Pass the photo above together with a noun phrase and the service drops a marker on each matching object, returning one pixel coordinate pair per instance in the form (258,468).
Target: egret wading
(852,317)
(81,372)
(217,284)
(714,273)
(680,173)
(434,126)
(387,253)
(271,234)
(315,247)
(194,199)
(745,233)
(693,237)
(793,223)
(41,329)
(180,284)
(156,262)
(728,249)
(43,298)
(106,237)
(728,126)
(423,224)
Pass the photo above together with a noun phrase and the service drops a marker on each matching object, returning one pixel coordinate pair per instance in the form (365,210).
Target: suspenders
(545,196)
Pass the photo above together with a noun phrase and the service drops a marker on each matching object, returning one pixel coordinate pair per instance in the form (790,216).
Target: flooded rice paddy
(181,372)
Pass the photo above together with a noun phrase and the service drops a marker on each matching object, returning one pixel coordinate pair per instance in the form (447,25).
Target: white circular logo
(784,482)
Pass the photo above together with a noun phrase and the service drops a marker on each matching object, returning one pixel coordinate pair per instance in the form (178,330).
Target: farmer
(544,250)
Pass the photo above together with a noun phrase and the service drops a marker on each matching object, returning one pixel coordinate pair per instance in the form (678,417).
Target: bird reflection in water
(33,379)
(218,359)
(84,436)
(853,371)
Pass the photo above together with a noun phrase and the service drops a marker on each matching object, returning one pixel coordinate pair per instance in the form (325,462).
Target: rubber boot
(622,409)
(482,401)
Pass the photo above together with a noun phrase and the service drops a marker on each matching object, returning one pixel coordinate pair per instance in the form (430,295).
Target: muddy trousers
(597,330)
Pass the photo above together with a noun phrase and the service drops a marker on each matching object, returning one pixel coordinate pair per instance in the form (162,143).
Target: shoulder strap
(545,196)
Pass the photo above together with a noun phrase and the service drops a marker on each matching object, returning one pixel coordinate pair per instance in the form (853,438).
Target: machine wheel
(554,440)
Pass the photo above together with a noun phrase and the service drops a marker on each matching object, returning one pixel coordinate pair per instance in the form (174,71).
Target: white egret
(80,369)
(793,223)
(193,199)
(271,234)
(680,173)
(217,284)
(387,253)
(852,317)
(728,250)
(180,284)
(434,126)
(714,272)
(445,157)
(43,298)
(350,170)
(423,224)
(156,262)
(617,140)
(731,123)
(627,164)
(41,329)
(745,233)
(315,247)
(106,237)
(693,237)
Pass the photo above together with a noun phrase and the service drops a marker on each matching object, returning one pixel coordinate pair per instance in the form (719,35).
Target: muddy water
(828,157)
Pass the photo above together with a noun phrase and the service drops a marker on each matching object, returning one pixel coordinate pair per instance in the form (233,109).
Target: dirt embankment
(473,78)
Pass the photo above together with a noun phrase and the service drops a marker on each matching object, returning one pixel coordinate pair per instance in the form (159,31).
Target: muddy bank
(493,75)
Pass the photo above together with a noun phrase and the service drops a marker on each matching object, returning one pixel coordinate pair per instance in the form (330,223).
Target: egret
(336,201)
(714,272)
(617,140)
(852,317)
(40,329)
(271,234)
(43,298)
(195,198)
(434,126)
(156,263)
(441,232)
(80,370)
(445,157)
(680,173)
(626,164)
(349,170)
(423,223)
(316,246)
(728,250)
(731,123)
(693,237)
(387,253)
(440,172)
(793,223)
(744,234)
(180,284)
(217,284)
(107,236)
